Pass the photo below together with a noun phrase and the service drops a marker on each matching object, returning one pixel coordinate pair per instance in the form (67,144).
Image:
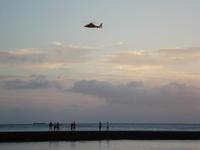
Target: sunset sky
(143,66)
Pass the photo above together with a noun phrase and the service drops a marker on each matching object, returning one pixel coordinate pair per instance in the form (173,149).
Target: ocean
(94,127)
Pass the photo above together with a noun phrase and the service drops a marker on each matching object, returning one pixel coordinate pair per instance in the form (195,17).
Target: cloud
(194,51)
(171,65)
(22,56)
(70,53)
(108,91)
(56,43)
(181,55)
(163,57)
(92,100)
(58,54)
(33,82)
(135,58)
(172,102)
(173,97)
(136,64)
(120,43)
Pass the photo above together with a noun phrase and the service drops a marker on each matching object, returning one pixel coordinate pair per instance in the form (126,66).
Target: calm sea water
(104,145)
(94,126)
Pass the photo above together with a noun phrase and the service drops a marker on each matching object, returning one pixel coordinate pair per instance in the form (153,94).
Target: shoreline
(97,135)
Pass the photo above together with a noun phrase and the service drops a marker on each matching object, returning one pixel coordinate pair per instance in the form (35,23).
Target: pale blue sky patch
(141,24)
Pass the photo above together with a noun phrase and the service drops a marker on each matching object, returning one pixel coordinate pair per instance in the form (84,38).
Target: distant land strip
(97,135)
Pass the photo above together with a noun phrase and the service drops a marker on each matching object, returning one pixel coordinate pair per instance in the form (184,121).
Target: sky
(141,67)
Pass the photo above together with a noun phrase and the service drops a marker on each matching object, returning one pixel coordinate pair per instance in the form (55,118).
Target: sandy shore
(97,135)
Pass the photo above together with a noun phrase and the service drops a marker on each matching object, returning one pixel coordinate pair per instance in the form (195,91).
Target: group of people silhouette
(107,126)
(73,126)
(56,126)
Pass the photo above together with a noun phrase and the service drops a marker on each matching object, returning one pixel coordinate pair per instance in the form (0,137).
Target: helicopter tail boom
(100,26)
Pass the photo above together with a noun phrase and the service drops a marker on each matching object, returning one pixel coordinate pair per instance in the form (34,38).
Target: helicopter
(93,25)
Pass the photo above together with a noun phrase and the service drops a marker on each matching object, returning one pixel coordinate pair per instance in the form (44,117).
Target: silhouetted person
(54,126)
(100,125)
(71,125)
(57,126)
(74,125)
(50,126)
(107,126)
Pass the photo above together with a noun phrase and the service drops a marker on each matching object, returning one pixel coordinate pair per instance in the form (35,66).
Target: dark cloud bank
(131,102)
(34,82)
(173,102)
(137,92)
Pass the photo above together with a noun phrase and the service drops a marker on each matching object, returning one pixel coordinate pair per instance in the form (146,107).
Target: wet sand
(97,135)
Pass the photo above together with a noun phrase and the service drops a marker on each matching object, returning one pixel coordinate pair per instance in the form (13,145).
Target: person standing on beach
(71,125)
(100,125)
(54,126)
(107,126)
(50,126)
(58,126)
(74,125)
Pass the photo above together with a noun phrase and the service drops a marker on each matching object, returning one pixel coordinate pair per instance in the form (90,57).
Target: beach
(97,135)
